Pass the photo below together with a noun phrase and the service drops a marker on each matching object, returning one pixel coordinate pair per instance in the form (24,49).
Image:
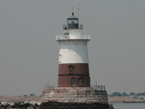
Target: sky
(29,52)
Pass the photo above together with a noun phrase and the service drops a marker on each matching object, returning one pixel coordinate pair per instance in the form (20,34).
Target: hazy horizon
(29,52)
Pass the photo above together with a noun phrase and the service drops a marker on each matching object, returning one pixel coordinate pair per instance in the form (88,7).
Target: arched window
(73,82)
(80,82)
(71,69)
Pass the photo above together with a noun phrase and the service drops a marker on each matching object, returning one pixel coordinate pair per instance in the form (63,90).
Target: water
(129,105)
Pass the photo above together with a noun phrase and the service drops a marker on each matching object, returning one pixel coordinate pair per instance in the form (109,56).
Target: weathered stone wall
(75,95)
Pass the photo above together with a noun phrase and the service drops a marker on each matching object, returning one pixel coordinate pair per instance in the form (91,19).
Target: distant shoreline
(117,99)
(4,98)
(127,102)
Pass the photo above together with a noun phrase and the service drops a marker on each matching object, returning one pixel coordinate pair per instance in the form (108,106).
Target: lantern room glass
(72,21)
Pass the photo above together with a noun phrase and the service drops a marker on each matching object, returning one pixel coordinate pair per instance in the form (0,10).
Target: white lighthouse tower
(73,55)
(73,74)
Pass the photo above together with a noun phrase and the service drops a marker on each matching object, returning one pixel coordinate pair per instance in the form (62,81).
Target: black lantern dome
(72,23)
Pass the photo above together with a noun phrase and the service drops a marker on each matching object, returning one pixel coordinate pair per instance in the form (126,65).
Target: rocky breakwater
(20,105)
(4,98)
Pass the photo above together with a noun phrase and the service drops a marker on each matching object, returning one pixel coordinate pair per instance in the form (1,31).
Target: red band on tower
(73,75)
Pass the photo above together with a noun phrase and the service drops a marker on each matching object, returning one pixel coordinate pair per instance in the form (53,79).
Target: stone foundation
(74,95)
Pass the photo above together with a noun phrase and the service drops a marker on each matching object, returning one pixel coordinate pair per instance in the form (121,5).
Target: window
(76,21)
(72,21)
(71,69)
(73,82)
(69,21)
(80,81)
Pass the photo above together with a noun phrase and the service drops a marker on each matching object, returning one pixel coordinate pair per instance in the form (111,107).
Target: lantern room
(72,23)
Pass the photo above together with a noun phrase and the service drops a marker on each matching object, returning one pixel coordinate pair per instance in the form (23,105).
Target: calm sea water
(129,105)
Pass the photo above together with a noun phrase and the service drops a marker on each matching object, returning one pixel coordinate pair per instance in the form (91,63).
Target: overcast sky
(29,52)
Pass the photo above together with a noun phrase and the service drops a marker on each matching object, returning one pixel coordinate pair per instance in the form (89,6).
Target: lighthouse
(73,90)
(73,55)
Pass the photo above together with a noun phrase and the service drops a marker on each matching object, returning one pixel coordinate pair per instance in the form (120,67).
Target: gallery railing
(93,87)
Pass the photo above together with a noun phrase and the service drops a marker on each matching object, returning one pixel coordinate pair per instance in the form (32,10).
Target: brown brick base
(77,71)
